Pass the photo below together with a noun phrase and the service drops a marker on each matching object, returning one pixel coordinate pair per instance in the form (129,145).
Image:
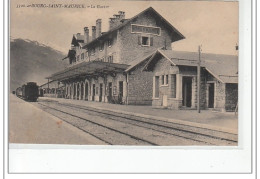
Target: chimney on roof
(86,35)
(78,35)
(98,26)
(116,16)
(111,23)
(116,19)
(121,15)
(93,32)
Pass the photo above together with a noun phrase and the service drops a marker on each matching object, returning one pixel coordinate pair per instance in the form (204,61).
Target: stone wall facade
(140,86)
(173,91)
(225,95)
(128,41)
(168,85)
(231,96)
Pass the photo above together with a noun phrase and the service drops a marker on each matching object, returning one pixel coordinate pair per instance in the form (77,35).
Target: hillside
(32,61)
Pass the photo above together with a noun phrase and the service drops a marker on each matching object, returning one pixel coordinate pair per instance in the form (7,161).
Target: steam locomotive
(28,92)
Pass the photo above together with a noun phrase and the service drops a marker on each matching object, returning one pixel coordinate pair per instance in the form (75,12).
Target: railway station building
(175,80)
(133,63)
(103,65)
(52,89)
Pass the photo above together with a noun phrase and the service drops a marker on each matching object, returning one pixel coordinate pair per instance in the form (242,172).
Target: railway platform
(29,124)
(208,119)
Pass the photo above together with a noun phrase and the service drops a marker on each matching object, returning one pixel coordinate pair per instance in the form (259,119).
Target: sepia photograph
(124,73)
(115,74)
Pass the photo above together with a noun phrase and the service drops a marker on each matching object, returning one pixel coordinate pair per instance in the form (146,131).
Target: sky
(214,25)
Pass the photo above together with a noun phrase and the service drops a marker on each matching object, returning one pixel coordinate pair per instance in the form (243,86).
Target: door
(186,91)
(78,90)
(110,92)
(94,92)
(100,92)
(211,95)
(82,92)
(156,89)
(120,92)
(86,91)
(71,90)
(74,91)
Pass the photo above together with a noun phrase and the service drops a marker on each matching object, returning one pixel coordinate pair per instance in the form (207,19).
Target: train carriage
(28,92)
(19,92)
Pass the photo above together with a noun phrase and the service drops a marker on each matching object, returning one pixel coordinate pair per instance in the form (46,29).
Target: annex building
(133,63)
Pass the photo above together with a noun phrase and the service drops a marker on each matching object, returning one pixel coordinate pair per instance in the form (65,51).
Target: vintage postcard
(124,73)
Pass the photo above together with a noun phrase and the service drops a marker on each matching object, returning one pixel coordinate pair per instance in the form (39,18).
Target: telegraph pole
(198,83)
(48,86)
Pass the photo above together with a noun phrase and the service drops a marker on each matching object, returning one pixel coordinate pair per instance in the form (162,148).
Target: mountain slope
(32,61)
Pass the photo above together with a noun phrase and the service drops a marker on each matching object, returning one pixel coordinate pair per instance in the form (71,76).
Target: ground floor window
(162,77)
(82,56)
(166,79)
(156,90)
(96,90)
(173,86)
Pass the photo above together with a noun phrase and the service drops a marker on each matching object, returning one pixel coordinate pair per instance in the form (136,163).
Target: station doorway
(120,92)
(86,91)
(211,95)
(82,92)
(109,98)
(186,91)
(74,91)
(94,92)
(100,92)
(71,88)
(110,89)
(78,90)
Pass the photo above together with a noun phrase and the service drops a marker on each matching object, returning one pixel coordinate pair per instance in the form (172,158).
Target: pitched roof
(222,67)
(127,21)
(86,68)
(79,37)
(82,44)
(139,59)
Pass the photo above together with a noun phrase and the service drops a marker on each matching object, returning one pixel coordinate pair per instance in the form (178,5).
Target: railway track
(123,129)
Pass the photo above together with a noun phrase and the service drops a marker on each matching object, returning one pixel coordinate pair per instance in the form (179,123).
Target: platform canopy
(92,68)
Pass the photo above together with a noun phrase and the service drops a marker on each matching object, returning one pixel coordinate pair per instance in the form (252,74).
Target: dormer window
(101,47)
(78,58)
(93,51)
(109,43)
(82,56)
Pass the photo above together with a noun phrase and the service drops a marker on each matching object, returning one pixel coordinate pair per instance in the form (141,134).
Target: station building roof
(175,34)
(222,67)
(88,69)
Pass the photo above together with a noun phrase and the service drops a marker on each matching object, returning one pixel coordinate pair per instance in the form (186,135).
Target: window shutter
(139,39)
(151,41)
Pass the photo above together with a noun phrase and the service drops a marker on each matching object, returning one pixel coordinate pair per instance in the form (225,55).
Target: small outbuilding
(175,80)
